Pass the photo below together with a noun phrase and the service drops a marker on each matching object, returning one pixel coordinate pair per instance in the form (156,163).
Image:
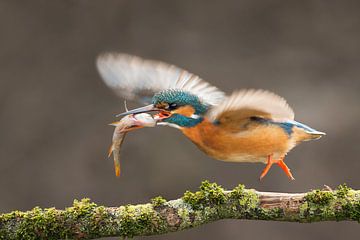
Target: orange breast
(251,145)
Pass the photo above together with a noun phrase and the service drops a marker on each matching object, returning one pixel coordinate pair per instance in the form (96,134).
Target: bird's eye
(162,105)
(167,106)
(173,106)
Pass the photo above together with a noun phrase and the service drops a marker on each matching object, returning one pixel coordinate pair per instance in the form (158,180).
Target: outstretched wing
(134,78)
(239,107)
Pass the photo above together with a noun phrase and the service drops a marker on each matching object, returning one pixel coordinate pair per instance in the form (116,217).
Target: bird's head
(175,107)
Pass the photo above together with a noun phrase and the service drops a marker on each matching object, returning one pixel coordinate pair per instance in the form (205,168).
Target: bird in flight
(245,126)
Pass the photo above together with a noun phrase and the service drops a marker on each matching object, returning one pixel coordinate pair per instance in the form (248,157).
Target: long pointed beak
(148,108)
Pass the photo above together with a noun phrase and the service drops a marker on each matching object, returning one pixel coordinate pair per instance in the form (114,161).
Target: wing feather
(248,103)
(134,78)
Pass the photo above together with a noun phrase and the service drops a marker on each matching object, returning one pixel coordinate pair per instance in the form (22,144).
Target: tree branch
(86,220)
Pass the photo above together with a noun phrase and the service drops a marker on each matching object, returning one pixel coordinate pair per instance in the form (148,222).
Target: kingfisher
(248,125)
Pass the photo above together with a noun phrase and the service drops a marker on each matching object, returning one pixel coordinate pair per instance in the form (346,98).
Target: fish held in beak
(122,127)
(146,109)
(161,113)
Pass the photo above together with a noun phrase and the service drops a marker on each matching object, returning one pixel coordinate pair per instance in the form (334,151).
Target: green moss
(341,204)
(318,205)
(303,210)
(355,213)
(158,201)
(342,190)
(187,218)
(245,202)
(268,214)
(348,203)
(101,221)
(238,203)
(81,208)
(82,211)
(319,197)
(137,220)
(209,194)
(238,191)
(37,224)
(128,224)
(83,220)
(51,223)
(247,205)
(88,220)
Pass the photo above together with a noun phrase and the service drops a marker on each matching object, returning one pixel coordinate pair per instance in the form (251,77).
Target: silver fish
(126,124)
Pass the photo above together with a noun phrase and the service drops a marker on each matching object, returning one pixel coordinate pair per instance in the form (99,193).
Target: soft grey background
(54,109)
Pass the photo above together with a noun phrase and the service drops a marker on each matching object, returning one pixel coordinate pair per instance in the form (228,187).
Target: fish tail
(117,167)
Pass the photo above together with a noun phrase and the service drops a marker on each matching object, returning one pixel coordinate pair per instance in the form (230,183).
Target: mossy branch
(87,220)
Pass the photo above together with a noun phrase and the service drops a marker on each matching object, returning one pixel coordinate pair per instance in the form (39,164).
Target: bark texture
(87,220)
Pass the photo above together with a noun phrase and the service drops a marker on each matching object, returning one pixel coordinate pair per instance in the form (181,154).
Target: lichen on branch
(87,220)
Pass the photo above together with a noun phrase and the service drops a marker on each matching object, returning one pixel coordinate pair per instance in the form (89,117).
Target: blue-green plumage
(287,126)
(246,126)
(183,121)
(180,98)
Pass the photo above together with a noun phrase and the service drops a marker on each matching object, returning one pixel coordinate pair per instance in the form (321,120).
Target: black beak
(148,108)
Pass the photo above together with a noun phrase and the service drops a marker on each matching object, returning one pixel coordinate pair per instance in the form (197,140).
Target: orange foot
(279,162)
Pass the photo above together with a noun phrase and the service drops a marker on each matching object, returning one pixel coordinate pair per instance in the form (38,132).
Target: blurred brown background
(54,109)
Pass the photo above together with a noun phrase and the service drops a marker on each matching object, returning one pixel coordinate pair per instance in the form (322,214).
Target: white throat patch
(169,124)
(193,116)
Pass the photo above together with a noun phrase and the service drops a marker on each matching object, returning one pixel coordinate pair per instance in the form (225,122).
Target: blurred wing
(138,79)
(243,104)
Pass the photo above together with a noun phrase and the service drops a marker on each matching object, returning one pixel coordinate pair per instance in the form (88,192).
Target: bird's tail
(314,135)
